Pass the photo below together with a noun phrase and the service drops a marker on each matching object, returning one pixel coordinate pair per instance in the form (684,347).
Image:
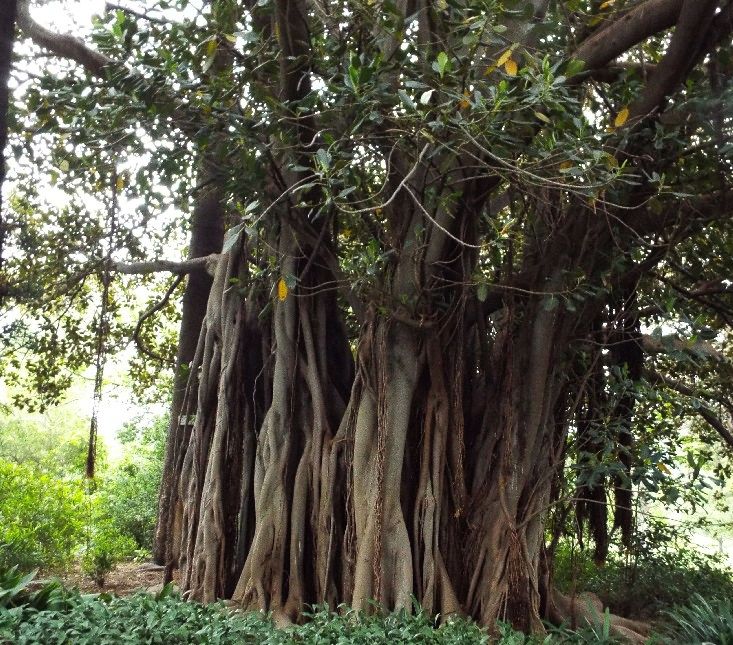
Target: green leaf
(231,237)
(482,292)
(406,100)
(574,66)
(324,158)
(354,76)
(442,62)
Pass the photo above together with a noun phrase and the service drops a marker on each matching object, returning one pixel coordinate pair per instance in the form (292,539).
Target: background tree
(478,246)
(7,33)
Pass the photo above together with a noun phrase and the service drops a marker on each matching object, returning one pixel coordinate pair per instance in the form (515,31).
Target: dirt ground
(125,579)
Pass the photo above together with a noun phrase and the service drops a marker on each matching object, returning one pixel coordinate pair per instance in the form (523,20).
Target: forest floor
(125,579)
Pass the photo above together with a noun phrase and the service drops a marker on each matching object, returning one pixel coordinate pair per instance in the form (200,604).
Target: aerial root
(587,609)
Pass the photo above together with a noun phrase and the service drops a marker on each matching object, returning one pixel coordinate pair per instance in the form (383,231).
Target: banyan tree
(451,229)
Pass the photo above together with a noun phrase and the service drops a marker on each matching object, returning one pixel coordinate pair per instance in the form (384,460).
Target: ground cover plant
(53,614)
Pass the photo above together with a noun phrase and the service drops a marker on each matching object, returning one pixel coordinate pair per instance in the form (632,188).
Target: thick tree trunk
(206,236)
(7,34)
(431,475)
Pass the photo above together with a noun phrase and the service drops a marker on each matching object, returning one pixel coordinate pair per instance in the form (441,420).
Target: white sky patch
(119,405)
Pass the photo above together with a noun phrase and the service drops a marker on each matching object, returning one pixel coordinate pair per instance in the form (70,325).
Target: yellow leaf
(489,70)
(566,164)
(210,47)
(464,102)
(231,38)
(663,468)
(282,289)
(504,58)
(442,5)
(606,4)
(120,183)
(510,67)
(64,165)
(621,117)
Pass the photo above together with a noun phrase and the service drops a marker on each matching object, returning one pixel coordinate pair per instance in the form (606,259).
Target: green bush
(41,518)
(62,616)
(107,547)
(129,497)
(129,494)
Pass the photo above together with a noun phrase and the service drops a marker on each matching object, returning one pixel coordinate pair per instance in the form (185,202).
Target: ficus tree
(470,243)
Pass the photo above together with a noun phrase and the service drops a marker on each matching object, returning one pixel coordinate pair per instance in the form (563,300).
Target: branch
(630,29)
(205,263)
(613,72)
(682,54)
(699,295)
(691,213)
(62,44)
(665,344)
(112,6)
(149,312)
(712,419)
(718,425)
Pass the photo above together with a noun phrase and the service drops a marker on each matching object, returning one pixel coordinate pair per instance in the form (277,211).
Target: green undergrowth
(52,614)
(646,586)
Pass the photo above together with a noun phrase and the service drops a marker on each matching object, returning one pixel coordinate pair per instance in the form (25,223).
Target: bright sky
(118,404)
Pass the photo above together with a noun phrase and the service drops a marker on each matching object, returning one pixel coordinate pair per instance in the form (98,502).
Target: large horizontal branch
(632,28)
(112,6)
(97,64)
(666,344)
(689,213)
(718,425)
(63,45)
(206,263)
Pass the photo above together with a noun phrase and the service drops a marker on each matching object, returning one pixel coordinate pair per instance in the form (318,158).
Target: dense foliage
(50,517)
(41,518)
(127,498)
(642,585)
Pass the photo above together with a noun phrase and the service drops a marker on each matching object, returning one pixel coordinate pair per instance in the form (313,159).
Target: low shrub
(166,618)
(107,547)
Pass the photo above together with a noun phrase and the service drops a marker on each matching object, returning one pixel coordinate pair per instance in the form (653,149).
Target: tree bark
(206,238)
(7,36)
